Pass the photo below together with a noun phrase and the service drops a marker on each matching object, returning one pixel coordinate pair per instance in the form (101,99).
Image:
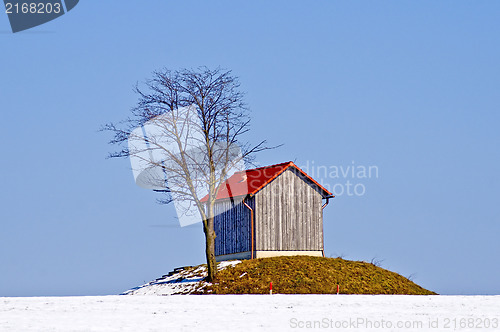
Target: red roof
(249,182)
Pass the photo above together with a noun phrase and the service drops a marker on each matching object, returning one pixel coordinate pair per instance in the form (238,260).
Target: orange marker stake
(338,289)
(271,288)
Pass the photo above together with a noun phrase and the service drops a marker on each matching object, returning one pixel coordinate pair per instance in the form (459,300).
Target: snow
(250,313)
(224,264)
(184,281)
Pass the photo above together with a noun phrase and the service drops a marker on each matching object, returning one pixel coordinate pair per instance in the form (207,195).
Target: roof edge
(329,194)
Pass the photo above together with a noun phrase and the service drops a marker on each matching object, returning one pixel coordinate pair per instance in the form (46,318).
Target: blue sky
(409,87)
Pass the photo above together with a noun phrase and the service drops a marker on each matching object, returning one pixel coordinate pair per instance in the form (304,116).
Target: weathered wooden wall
(232,227)
(288,215)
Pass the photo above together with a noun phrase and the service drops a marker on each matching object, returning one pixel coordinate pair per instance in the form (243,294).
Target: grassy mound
(311,275)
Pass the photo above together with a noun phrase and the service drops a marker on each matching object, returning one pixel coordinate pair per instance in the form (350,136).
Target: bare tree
(184,135)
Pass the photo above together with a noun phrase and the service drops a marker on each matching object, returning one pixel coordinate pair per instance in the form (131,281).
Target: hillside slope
(311,275)
(289,275)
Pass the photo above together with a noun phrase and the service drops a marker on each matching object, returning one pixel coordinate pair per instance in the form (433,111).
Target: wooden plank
(303,220)
(259,221)
(310,220)
(287,206)
(277,207)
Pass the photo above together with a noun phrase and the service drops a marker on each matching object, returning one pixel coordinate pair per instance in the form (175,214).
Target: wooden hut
(269,211)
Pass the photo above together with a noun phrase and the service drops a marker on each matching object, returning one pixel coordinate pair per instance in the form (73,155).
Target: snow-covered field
(251,313)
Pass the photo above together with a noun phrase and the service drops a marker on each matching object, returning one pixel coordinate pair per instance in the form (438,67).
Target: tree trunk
(208,229)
